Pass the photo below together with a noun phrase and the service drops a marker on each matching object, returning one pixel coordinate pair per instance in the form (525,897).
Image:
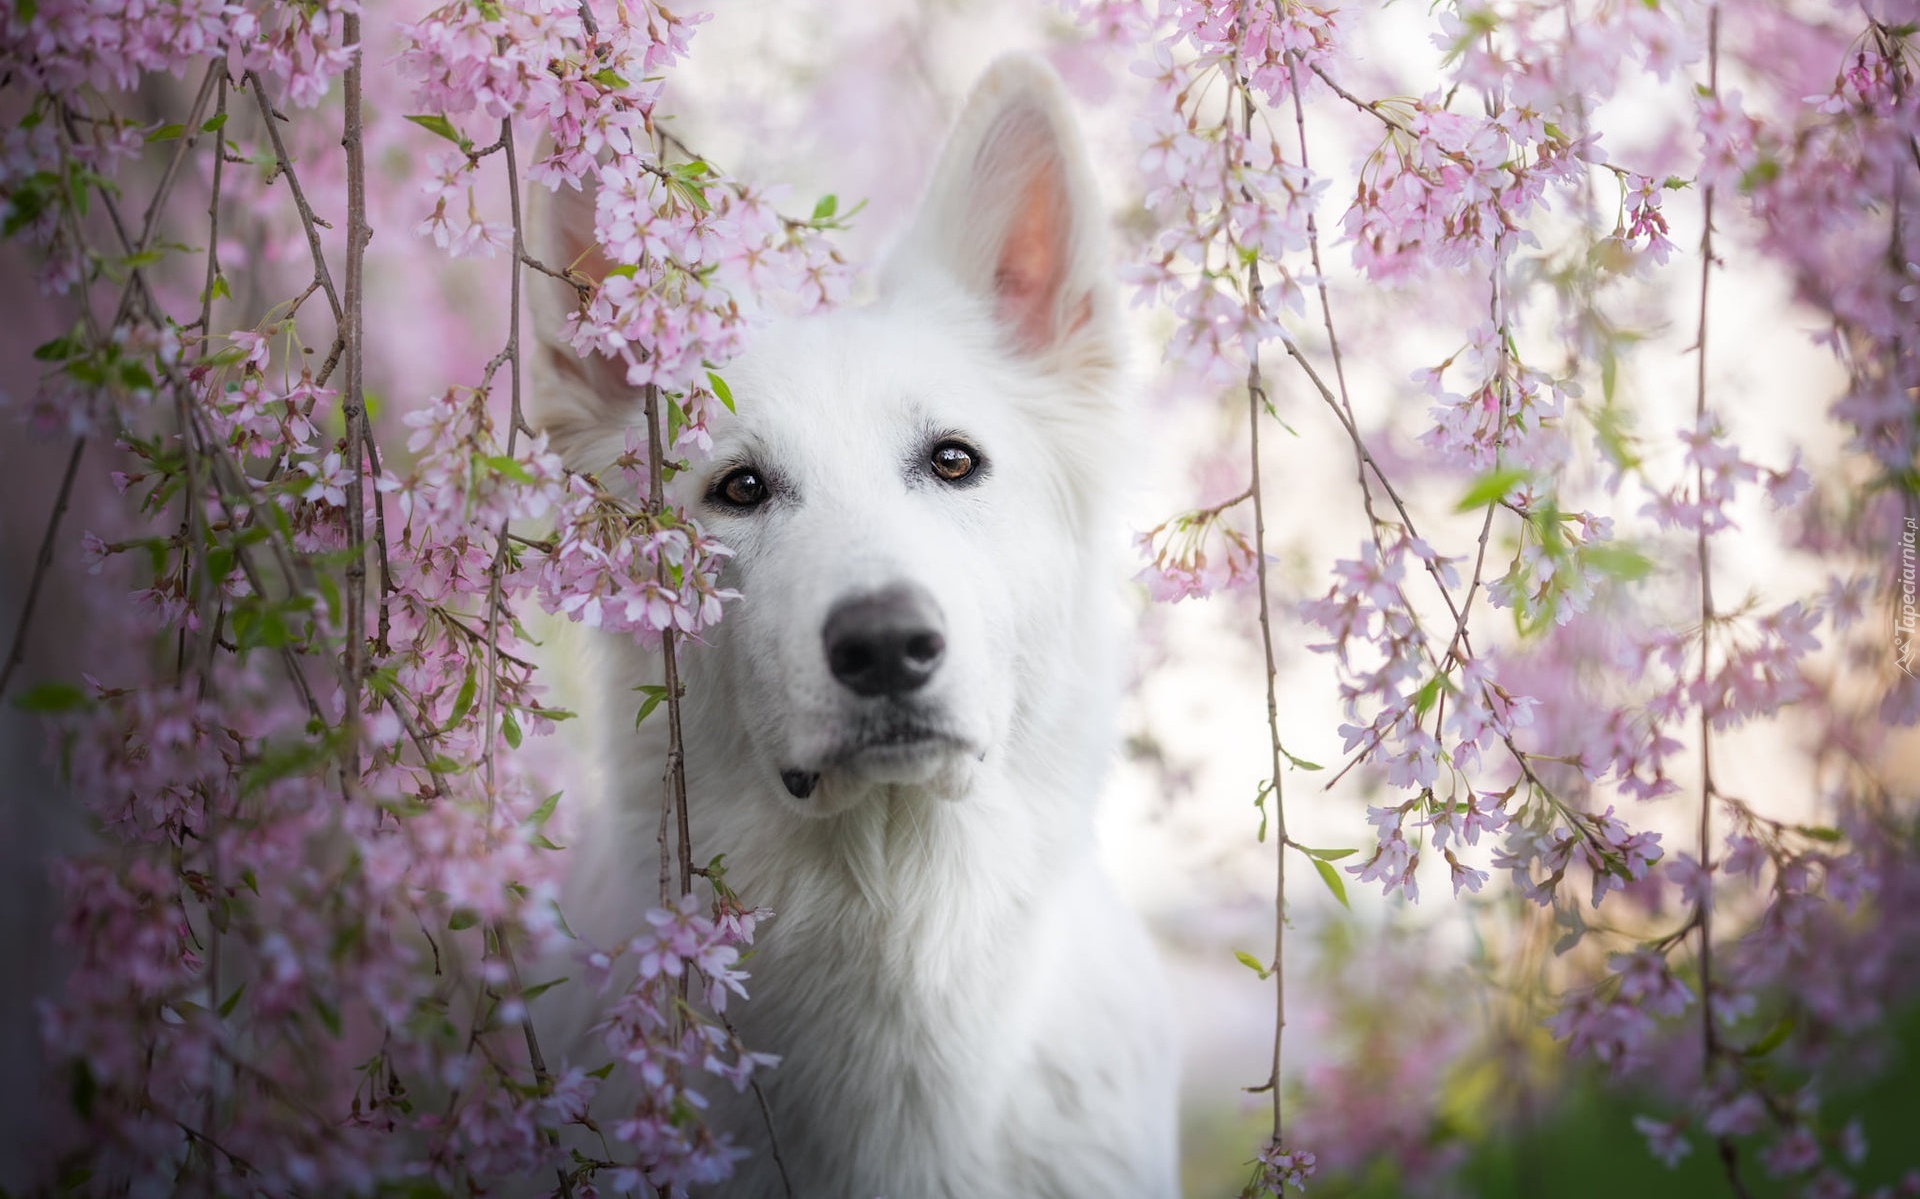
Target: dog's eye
(953,461)
(742,488)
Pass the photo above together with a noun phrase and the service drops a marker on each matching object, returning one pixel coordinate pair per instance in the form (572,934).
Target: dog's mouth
(895,737)
(902,749)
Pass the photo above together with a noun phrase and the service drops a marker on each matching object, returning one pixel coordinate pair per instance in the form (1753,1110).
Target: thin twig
(193,511)
(509,354)
(308,222)
(1710,1046)
(1256,401)
(766,1115)
(353,405)
(41,562)
(419,737)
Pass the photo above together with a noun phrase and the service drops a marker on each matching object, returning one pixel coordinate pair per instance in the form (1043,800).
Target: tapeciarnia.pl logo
(1905,642)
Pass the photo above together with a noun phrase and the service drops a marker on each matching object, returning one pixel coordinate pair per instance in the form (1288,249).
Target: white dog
(898,733)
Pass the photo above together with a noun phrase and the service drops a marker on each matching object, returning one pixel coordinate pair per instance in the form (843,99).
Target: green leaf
(383,679)
(827,206)
(544,812)
(1617,561)
(60,349)
(608,77)
(1252,963)
(690,192)
(284,761)
(1491,487)
(504,465)
(52,697)
(655,696)
(1429,692)
(538,989)
(463,701)
(330,595)
(85,1088)
(260,626)
(1325,855)
(463,918)
(720,390)
(230,1002)
(1331,877)
(329,1015)
(433,123)
(1776,1036)
(1818,832)
(214,123)
(1759,174)
(166,133)
(135,377)
(1301,763)
(510,728)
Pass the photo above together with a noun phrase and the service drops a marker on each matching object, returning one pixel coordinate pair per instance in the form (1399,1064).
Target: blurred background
(1417,1061)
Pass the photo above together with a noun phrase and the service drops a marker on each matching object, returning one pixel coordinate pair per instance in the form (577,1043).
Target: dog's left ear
(1012,217)
(583,403)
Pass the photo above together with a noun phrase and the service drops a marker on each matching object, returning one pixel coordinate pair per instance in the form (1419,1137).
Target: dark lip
(897,738)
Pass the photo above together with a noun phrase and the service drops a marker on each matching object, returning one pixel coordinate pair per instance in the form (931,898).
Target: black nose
(886,643)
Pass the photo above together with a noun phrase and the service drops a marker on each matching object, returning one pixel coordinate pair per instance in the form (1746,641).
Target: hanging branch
(1256,402)
(283,163)
(192,525)
(509,357)
(353,400)
(675,777)
(1710,1047)
(135,285)
(41,563)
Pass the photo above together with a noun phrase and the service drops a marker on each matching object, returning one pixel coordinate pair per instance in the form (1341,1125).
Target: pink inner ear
(583,253)
(569,238)
(1033,259)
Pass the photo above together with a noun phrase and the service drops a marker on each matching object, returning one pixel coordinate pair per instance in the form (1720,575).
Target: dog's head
(912,488)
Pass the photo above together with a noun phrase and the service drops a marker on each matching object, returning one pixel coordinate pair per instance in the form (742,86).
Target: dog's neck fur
(892,977)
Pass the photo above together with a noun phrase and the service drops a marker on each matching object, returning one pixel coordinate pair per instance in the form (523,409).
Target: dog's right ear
(1012,217)
(584,405)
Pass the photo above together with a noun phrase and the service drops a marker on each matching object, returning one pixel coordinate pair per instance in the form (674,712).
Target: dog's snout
(886,643)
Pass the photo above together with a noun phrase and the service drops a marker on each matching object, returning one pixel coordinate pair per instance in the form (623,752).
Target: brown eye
(741,489)
(953,461)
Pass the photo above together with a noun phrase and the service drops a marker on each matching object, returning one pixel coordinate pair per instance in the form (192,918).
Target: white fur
(963,1004)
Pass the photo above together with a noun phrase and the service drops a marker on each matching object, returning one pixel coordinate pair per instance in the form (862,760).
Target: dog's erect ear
(583,404)
(1012,217)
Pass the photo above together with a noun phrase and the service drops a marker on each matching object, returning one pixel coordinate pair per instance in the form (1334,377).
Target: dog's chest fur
(962,1006)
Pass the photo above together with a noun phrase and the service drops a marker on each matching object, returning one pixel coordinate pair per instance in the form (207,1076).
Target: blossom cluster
(1617,671)
(324,861)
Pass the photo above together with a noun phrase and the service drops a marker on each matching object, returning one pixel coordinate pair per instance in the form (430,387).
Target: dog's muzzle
(883,647)
(887,643)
